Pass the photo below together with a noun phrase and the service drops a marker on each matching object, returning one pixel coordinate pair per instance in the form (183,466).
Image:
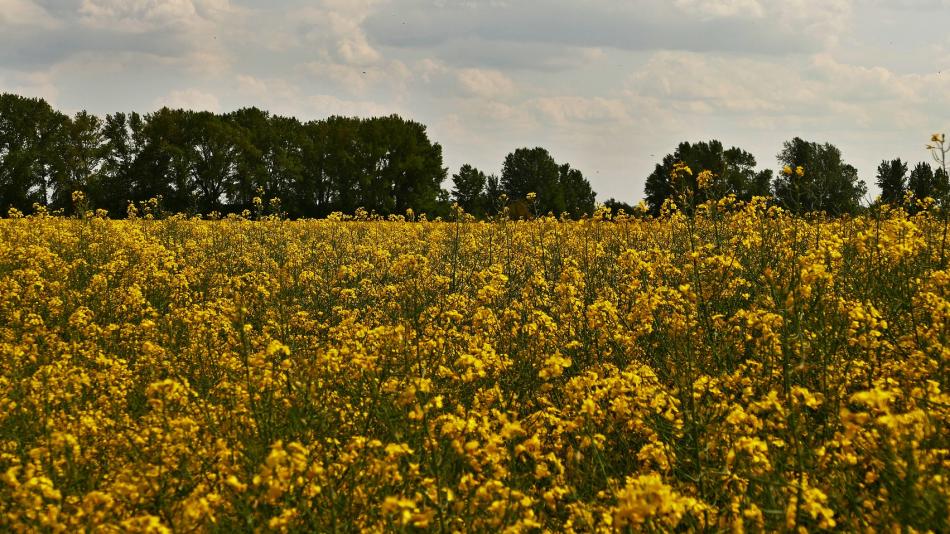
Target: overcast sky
(609,86)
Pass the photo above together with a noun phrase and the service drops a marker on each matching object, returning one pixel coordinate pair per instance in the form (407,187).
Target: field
(737,370)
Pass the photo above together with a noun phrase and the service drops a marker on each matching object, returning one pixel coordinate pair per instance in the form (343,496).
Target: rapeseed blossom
(731,368)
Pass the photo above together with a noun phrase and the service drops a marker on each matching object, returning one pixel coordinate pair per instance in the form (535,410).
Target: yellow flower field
(740,370)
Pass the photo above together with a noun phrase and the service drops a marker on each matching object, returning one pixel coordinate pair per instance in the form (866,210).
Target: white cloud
(816,92)
(390,76)
(193,99)
(327,105)
(286,98)
(485,83)
(569,109)
(146,15)
(336,29)
(33,84)
(25,13)
(722,8)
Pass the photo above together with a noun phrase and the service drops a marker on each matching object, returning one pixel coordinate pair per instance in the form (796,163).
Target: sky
(607,86)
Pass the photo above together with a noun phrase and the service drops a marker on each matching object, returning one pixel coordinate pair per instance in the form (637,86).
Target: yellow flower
(704,179)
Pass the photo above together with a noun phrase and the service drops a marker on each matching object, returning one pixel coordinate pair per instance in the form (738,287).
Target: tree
(925,183)
(733,172)
(83,151)
(892,180)
(615,206)
(411,165)
(533,170)
(579,197)
(31,140)
(493,192)
(815,178)
(163,166)
(123,141)
(213,146)
(469,190)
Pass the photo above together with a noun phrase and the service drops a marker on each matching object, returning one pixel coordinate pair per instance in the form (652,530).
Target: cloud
(345,78)
(193,99)
(767,27)
(335,28)
(327,105)
(286,98)
(34,84)
(139,16)
(816,90)
(572,109)
(752,9)
(25,13)
(485,83)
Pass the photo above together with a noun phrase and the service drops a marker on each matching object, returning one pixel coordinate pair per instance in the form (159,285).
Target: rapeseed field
(730,369)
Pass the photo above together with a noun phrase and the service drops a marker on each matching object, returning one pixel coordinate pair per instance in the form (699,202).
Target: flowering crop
(736,369)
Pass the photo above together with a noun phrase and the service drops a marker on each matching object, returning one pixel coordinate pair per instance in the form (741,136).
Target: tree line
(814,177)
(202,162)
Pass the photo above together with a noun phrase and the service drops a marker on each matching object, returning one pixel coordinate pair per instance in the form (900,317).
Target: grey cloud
(475,51)
(32,49)
(633,26)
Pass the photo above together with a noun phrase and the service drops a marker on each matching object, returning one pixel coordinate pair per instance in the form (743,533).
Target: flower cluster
(737,368)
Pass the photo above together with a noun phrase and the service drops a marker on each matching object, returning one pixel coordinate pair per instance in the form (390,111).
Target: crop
(736,369)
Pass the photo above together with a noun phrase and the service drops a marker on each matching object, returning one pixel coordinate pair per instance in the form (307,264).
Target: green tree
(213,147)
(533,170)
(892,180)
(469,190)
(31,160)
(616,206)
(825,182)
(925,183)
(163,166)
(579,197)
(83,152)
(493,193)
(733,170)
(408,165)
(123,140)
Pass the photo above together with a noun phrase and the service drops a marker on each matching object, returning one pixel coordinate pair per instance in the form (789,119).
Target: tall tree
(163,166)
(410,166)
(733,172)
(924,182)
(579,197)
(213,148)
(83,150)
(469,190)
(493,192)
(31,140)
(817,179)
(892,180)
(123,140)
(533,170)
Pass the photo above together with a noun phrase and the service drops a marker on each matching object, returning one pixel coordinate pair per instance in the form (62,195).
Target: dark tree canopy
(533,170)
(558,189)
(469,190)
(198,162)
(892,180)
(32,135)
(579,198)
(615,206)
(816,178)
(733,170)
(924,182)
